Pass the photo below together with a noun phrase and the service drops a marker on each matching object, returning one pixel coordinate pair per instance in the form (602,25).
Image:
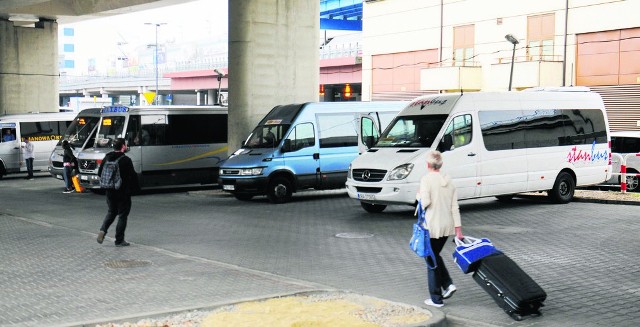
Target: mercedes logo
(85,164)
(366,175)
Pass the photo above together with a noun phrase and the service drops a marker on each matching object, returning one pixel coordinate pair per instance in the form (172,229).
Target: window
(301,136)
(79,130)
(197,129)
(540,34)
(68,48)
(110,129)
(625,144)
(463,44)
(156,127)
(457,134)
(69,64)
(43,131)
(516,129)
(412,131)
(68,31)
(337,130)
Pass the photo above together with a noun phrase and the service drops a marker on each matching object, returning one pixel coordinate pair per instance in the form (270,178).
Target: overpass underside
(273,55)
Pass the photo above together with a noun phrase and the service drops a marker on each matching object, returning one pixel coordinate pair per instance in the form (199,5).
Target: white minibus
(169,145)
(80,134)
(493,144)
(43,129)
(304,146)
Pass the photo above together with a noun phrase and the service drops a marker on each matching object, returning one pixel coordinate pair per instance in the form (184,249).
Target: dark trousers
(439,278)
(120,206)
(29,162)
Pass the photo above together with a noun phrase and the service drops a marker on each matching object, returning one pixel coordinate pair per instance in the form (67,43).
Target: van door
(10,148)
(300,154)
(460,155)
(338,141)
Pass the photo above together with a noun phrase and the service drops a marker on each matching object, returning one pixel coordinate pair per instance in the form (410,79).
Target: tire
(633,183)
(505,198)
(563,188)
(279,190)
(373,208)
(243,197)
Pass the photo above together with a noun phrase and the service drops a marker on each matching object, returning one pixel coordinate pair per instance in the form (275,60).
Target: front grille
(87,164)
(57,164)
(369,175)
(361,189)
(230,172)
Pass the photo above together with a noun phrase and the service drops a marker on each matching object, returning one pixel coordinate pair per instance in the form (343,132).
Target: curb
(624,202)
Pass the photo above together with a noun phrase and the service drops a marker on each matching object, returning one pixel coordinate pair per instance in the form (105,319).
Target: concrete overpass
(269,40)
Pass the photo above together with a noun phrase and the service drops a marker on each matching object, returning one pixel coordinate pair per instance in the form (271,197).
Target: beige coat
(439,197)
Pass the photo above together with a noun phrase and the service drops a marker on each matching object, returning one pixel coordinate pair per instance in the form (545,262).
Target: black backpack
(110,177)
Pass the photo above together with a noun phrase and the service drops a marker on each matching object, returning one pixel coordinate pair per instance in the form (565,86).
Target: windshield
(110,129)
(80,130)
(266,136)
(412,131)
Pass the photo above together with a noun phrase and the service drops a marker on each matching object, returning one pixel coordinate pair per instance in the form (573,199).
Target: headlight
(349,173)
(400,172)
(251,171)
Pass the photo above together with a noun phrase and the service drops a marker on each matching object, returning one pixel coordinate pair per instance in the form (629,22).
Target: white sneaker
(437,305)
(449,291)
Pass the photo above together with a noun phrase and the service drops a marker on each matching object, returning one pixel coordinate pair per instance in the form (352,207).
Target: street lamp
(156,56)
(513,41)
(220,75)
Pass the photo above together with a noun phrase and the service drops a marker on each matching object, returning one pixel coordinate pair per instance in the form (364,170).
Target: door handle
(316,156)
(471,154)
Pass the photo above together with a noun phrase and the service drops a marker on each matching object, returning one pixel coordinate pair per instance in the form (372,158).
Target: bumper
(56,172)
(251,185)
(386,194)
(89,181)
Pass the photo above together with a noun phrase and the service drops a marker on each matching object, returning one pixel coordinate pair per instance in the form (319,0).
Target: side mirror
(286,146)
(369,141)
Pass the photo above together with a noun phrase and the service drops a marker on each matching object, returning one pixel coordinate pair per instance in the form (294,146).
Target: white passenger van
(493,144)
(626,144)
(43,129)
(304,146)
(169,145)
(80,134)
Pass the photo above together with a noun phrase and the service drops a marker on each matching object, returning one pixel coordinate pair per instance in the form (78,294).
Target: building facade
(434,46)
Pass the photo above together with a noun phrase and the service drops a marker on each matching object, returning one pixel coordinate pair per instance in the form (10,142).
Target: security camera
(218,72)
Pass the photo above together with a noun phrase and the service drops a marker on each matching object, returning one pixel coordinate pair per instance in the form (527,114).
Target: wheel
(633,185)
(243,197)
(563,188)
(505,198)
(279,190)
(373,208)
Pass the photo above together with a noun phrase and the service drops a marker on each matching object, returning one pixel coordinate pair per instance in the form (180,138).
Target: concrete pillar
(28,68)
(273,59)
(211,98)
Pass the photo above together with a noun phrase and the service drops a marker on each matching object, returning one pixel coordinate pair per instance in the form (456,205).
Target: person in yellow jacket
(440,200)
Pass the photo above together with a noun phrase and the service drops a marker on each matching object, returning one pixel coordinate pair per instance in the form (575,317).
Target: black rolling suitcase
(512,289)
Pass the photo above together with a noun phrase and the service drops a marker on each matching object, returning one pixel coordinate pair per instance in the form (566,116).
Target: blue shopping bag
(470,250)
(420,242)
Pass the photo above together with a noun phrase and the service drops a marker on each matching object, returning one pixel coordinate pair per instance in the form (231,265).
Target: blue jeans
(439,278)
(66,174)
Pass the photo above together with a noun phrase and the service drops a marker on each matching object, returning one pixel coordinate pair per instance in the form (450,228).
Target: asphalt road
(196,248)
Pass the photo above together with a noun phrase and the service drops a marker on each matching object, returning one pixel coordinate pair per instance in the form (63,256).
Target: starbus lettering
(579,155)
(428,102)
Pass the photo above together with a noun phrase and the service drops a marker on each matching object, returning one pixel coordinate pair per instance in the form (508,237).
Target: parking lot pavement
(201,248)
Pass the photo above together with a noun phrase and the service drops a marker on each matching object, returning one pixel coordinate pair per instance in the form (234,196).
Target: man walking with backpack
(119,179)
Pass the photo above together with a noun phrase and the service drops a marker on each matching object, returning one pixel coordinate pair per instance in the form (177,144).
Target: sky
(120,35)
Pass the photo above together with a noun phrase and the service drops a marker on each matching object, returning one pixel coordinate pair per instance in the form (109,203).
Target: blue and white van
(304,146)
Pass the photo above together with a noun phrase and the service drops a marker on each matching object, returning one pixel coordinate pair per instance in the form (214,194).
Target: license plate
(362,196)
(84,178)
(228,187)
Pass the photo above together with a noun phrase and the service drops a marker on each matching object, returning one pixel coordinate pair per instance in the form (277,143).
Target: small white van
(625,143)
(43,129)
(493,144)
